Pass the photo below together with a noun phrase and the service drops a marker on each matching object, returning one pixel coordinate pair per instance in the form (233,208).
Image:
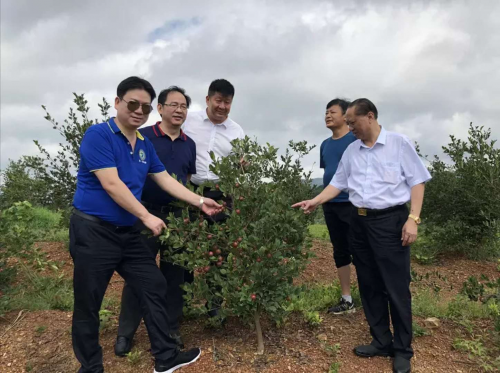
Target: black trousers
(383,270)
(98,249)
(175,276)
(338,221)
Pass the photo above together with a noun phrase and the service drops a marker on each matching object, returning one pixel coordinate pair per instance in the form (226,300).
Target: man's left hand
(410,231)
(210,207)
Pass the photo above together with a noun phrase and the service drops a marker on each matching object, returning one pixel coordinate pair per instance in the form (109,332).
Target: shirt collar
(381,139)
(159,132)
(205,117)
(114,128)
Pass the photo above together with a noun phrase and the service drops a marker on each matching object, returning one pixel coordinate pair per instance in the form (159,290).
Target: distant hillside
(317,181)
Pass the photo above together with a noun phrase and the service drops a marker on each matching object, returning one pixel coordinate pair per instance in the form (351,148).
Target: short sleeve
(321,160)
(192,163)
(96,150)
(413,168)
(341,177)
(242,134)
(155,166)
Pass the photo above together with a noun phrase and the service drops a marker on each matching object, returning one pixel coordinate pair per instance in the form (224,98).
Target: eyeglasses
(176,106)
(134,105)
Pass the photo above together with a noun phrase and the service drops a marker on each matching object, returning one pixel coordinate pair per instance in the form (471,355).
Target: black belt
(377,212)
(95,219)
(159,208)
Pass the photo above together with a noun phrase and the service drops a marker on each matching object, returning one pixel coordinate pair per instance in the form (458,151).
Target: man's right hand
(156,225)
(308,206)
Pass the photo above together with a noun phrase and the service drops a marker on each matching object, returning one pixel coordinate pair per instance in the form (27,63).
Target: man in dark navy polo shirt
(177,152)
(104,237)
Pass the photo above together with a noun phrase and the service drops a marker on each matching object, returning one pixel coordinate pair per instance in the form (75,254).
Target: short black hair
(132,83)
(162,97)
(221,86)
(344,104)
(364,106)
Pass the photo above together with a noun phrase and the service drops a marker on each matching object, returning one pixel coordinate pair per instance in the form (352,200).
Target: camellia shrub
(247,263)
(462,204)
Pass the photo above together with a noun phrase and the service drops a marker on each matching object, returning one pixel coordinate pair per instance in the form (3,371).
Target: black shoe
(401,365)
(371,351)
(215,314)
(123,346)
(182,359)
(176,336)
(342,307)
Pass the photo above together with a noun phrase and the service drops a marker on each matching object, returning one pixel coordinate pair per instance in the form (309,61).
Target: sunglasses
(134,105)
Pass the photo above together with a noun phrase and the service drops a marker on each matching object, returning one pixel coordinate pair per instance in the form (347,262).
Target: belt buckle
(362,212)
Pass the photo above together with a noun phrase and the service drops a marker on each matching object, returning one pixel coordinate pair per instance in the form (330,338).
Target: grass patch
(315,298)
(46,226)
(319,231)
(427,303)
(38,293)
(134,356)
(418,330)
(319,297)
(39,330)
(42,293)
(479,353)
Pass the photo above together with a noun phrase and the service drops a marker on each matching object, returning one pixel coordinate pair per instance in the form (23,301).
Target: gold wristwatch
(415,218)
(202,201)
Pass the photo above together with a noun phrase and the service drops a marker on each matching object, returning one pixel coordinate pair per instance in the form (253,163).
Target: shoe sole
(124,353)
(171,370)
(382,354)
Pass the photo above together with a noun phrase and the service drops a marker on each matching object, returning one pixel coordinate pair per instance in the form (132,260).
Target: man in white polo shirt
(213,130)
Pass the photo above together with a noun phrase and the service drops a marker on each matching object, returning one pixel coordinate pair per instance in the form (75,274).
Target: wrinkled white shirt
(210,137)
(381,176)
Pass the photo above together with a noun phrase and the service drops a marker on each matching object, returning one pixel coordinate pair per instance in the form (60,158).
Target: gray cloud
(430,67)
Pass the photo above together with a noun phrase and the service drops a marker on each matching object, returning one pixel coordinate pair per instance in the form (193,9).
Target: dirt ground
(41,341)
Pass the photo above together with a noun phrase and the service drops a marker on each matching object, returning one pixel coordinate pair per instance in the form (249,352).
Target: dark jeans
(98,249)
(338,221)
(383,269)
(175,276)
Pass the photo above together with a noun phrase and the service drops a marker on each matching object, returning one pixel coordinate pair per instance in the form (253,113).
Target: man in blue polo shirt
(104,237)
(177,152)
(338,210)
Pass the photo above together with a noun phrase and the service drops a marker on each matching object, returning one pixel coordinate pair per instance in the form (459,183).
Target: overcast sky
(431,67)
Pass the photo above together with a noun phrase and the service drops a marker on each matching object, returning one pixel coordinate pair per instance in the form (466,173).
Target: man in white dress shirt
(382,172)
(213,130)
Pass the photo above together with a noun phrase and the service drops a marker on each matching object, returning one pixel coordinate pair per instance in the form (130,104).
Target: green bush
(46,180)
(21,225)
(23,182)
(251,259)
(461,211)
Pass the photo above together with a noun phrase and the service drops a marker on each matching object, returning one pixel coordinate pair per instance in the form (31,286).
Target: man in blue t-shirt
(338,210)
(104,235)
(177,152)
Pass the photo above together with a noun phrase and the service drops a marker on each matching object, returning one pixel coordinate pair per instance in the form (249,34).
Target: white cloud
(430,67)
